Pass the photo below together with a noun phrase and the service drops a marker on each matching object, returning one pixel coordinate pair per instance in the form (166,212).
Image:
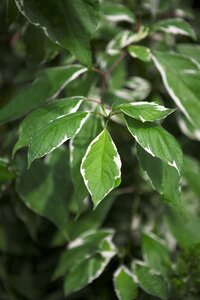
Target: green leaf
(188,128)
(92,219)
(191,171)
(115,12)
(78,147)
(150,281)
(190,50)
(156,253)
(53,134)
(181,77)
(6,170)
(175,26)
(45,188)
(125,284)
(107,248)
(145,111)
(157,141)
(140,52)
(68,23)
(184,226)
(31,37)
(124,39)
(31,220)
(103,160)
(163,178)
(46,114)
(47,85)
(135,89)
(86,272)
(85,246)
(14,240)
(118,78)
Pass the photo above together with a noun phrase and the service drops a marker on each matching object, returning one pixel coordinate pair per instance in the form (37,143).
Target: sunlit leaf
(46,114)
(102,159)
(125,284)
(53,134)
(157,142)
(78,147)
(140,52)
(145,111)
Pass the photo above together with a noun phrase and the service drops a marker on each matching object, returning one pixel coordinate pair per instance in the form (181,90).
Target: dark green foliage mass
(99,150)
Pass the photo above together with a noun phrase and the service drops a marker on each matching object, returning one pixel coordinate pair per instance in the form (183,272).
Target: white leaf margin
(116,159)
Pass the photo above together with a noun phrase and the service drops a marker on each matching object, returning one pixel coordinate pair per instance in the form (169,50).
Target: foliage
(99,157)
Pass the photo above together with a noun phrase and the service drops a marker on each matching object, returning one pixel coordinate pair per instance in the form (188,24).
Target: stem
(116,63)
(94,101)
(100,104)
(126,190)
(117,113)
(96,70)
(96,113)
(103,86)
(107,121)
(105,75)
(103,81)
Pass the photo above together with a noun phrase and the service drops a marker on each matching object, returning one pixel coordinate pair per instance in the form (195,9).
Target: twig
(99,103)
(93,100)
(96,113)
(116,63)
(96,70)
(126,190)
(105,75)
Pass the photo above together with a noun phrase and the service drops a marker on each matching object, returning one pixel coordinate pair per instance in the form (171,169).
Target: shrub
(99,170)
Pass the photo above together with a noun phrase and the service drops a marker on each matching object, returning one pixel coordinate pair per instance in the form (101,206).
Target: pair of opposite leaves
(48,127)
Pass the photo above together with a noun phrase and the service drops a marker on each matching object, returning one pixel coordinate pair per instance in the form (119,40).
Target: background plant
(99,170)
